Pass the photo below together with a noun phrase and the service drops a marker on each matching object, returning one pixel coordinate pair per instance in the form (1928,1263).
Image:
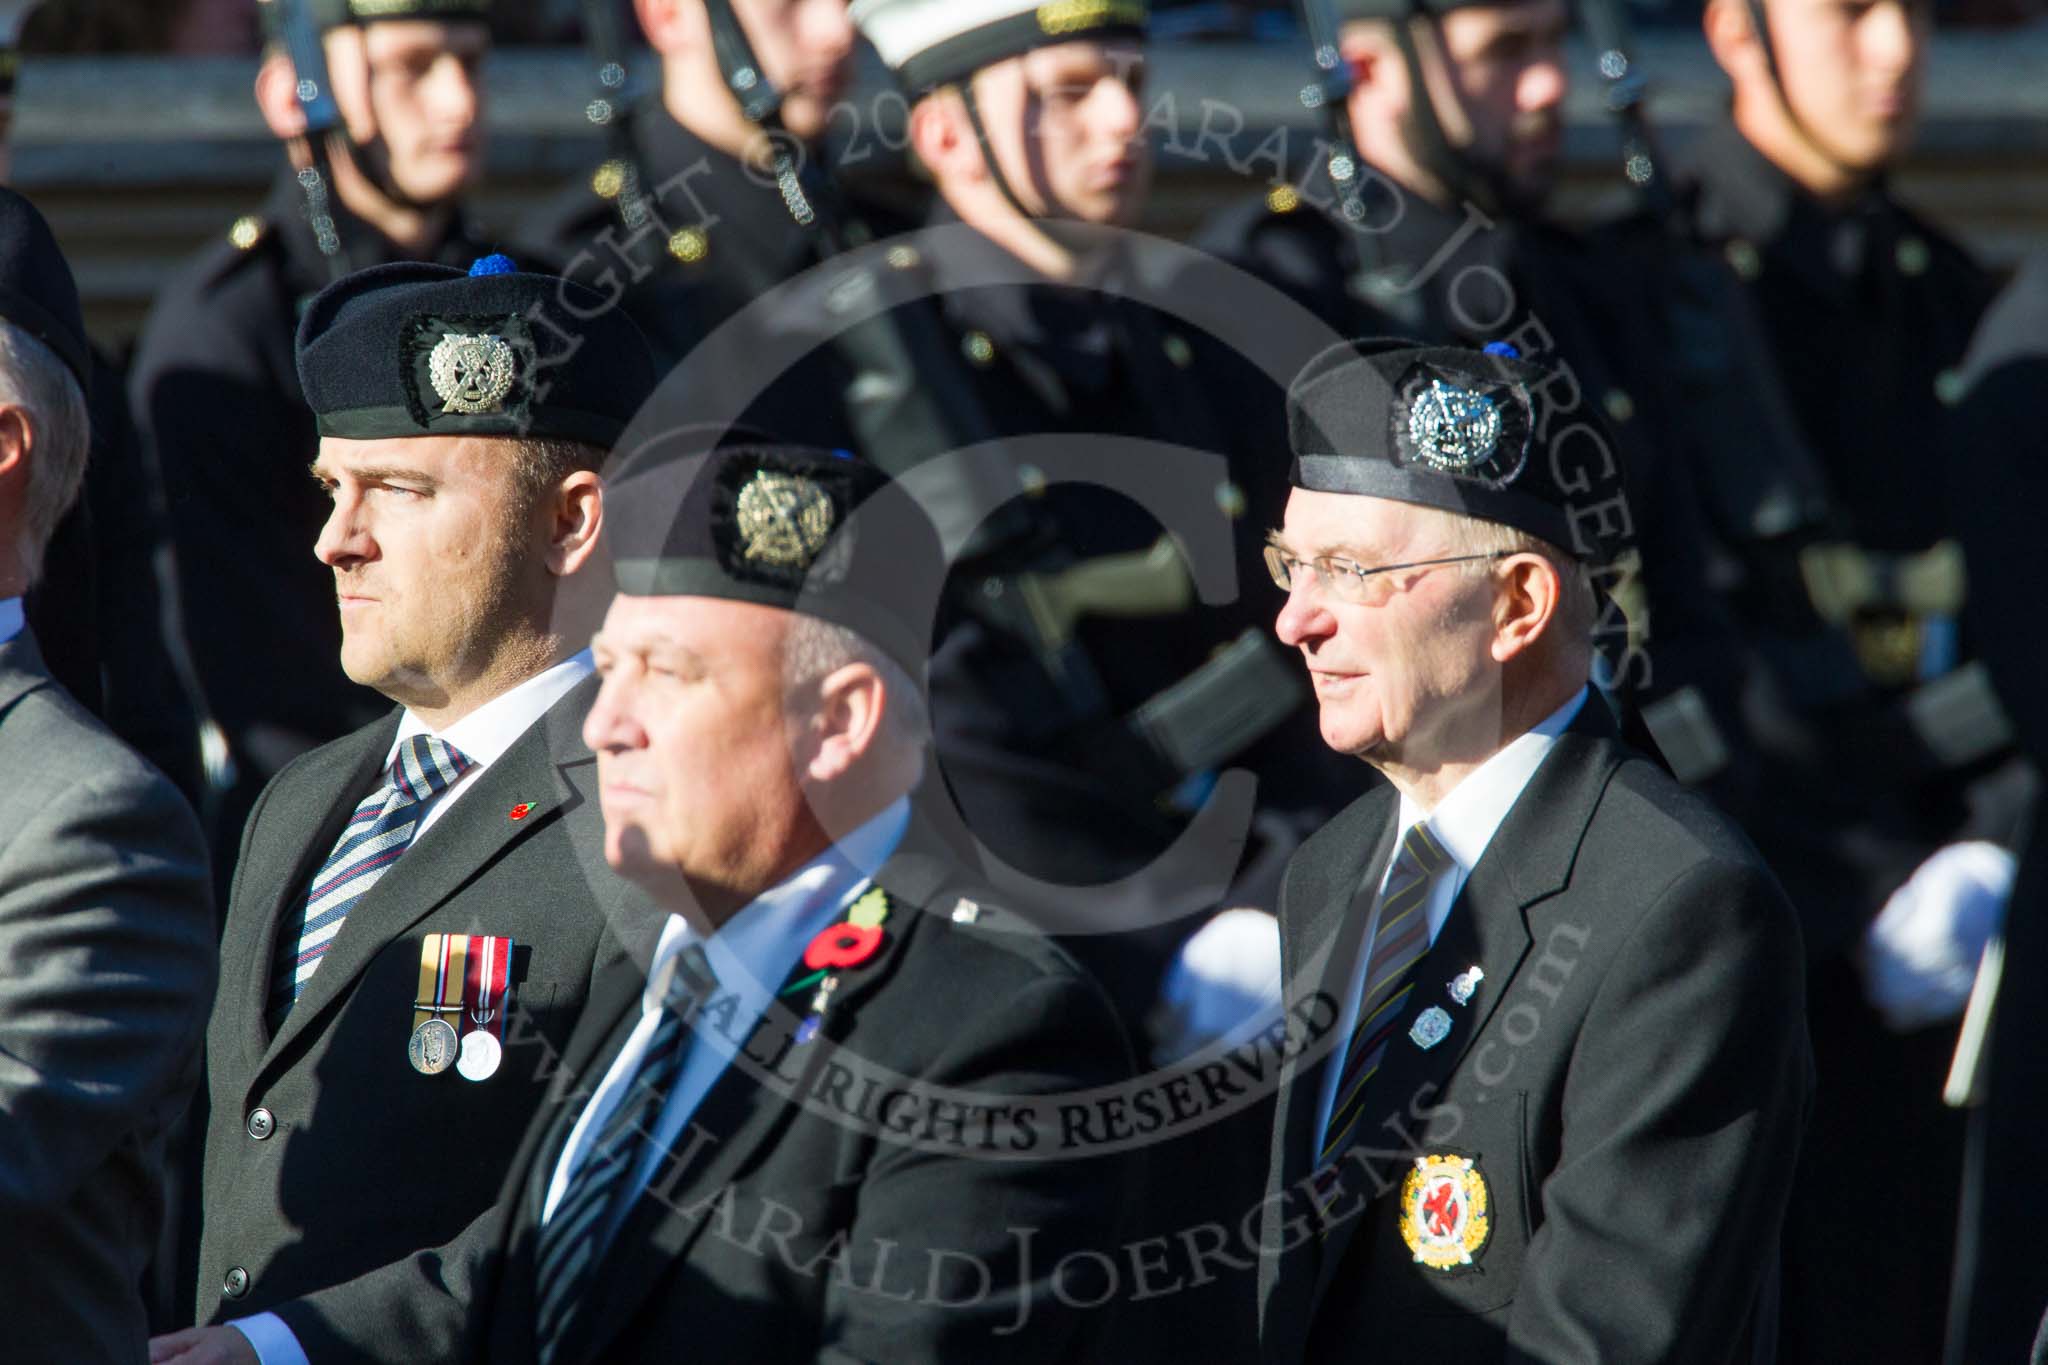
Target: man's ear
(577,510)
(277,97)
(1369,51)
(17,442)
(941,137)
(848,721)
(1731,36)
(661,21)
(1531,592)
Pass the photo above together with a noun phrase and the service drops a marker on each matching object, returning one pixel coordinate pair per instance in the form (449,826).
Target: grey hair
(814,649)
(33,378)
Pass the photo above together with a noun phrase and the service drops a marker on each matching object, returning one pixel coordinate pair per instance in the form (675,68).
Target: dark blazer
(106,929)
(330,1162)
(1630,1079)
(800,1233)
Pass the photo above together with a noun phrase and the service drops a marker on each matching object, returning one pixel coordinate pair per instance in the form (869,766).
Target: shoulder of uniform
(973,929)
(248,238)
(1282,209)
(574,213)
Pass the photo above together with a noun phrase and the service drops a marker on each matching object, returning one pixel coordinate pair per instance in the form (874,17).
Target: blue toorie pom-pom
(493,264)
(1501,348)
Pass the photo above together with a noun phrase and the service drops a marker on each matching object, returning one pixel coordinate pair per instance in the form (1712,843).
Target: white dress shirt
(482,736)
(1464,823)
(486,733)
(751,954)
(11,619)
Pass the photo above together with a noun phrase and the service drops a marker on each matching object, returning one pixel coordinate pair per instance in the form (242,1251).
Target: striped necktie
(1397,946)
(594,1203)
(381,829)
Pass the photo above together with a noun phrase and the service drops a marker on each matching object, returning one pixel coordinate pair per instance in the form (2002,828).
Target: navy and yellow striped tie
(1397,946)
(381,829)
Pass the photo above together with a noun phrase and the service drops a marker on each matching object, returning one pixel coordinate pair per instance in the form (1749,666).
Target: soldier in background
(217,399)
(2000,461)
(1889,792)
(1455,109)
(690,218)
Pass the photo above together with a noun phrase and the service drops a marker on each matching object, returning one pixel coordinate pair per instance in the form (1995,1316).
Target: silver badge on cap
(471,374)
(1453,429)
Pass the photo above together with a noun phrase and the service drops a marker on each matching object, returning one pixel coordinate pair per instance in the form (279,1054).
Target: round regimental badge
(432,1049)
(1444,1211)
(472,374)
(481,1053)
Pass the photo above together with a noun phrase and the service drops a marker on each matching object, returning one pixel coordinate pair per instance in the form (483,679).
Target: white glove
(1920,955)
(1225,982)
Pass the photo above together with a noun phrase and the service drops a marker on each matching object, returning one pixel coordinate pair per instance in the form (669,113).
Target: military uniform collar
(1412,231)
(742,207)
(1765,219)
(362,245)
(1071,327)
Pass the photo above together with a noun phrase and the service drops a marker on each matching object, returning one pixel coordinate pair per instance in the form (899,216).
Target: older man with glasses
(1571,1068)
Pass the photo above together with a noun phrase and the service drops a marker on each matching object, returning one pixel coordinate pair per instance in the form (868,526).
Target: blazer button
(235,1283)
(261,1124)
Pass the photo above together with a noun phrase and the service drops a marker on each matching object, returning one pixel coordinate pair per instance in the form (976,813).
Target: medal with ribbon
(432,1047)
(485,988)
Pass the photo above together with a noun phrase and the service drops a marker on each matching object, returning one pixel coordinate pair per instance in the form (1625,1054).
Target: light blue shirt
(751,954)
(11,619)
(1464,823)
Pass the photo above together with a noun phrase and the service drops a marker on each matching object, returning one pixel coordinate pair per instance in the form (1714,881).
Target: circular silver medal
(481,1053)
(432,1049)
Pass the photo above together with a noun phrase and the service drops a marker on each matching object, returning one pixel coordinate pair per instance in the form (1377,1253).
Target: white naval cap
(930,43)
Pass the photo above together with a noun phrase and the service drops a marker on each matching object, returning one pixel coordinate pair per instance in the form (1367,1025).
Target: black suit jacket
(781,1232)
(1630,1078)
(337,1214)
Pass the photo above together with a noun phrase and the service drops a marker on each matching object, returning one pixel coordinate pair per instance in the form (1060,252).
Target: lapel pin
(1464,984)
(521,811)
(1431,1027)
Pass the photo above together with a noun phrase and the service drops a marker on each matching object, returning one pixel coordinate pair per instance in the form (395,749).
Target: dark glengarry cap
(338,13)
(37,293)
(424,350)
(930,43)
(819,532)
(1438,426)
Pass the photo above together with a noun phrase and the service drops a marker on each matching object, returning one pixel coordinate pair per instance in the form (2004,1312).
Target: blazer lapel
(1322,920)
(747,1115)
(1528,860)
(318,798)
(446,857)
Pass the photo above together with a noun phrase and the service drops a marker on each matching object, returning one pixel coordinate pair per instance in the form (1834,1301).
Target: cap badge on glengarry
(784,519)
(471,374)
(1453,429)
